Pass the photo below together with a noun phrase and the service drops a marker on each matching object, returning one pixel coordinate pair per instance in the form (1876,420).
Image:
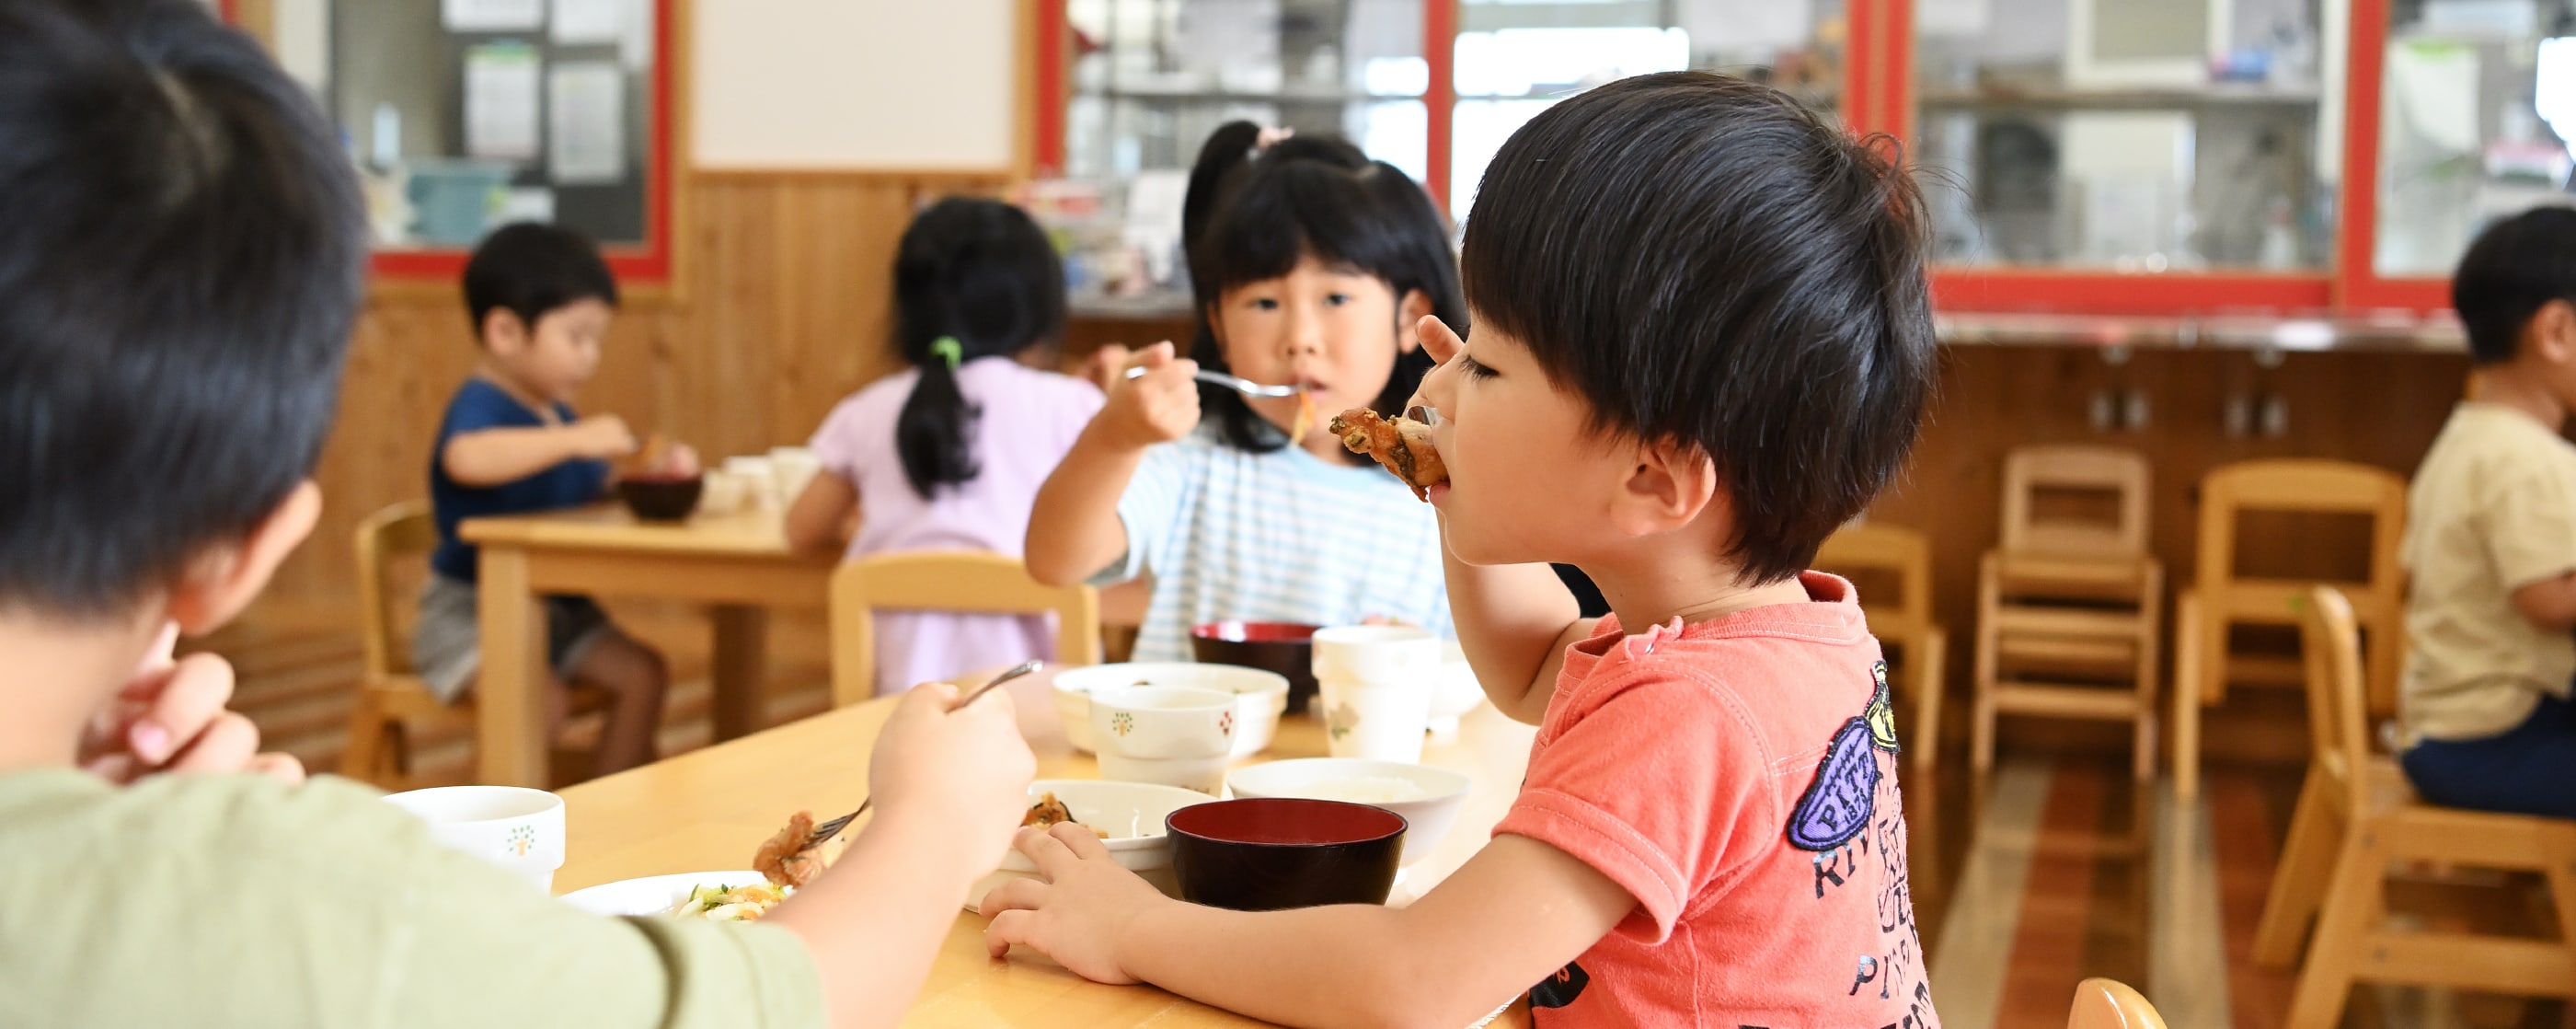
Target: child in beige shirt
(2491,540)
(182,250)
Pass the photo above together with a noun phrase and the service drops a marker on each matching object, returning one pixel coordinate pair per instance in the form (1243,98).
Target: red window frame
(634,263)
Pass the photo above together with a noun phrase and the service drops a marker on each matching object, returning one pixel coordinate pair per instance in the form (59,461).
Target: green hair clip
(946,349)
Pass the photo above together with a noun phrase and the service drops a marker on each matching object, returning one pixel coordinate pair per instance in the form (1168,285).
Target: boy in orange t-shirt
(1703,342)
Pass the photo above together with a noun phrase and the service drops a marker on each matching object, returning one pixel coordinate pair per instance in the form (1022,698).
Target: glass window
(1152,78)
(2478,121)
(1515,57)
(460,122)
(2137,135)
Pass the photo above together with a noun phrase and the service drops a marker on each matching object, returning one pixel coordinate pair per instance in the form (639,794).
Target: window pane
(1515,57)
(2478,117)
(2139,135)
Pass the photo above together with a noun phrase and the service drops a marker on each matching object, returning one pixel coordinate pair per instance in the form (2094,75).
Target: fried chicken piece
(786,859)
(1049,812)
(1401,444)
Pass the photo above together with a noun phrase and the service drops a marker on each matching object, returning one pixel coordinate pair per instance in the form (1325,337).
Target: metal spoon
(1246,387)
(833,828)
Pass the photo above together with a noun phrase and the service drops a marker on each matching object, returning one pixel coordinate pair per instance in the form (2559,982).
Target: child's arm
(493,457)
(820,517)
(1449,959)
(2549,603)
(950,788)
(1514,622)
(1074,529)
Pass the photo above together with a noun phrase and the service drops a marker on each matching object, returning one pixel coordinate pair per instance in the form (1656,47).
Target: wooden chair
(2070,598)
(393,710)
(946,580)
(2219,598)
(2356,816)
(2108,1004)
(1906,621)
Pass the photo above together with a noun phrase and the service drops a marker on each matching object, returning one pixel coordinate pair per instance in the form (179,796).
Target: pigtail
(973,279)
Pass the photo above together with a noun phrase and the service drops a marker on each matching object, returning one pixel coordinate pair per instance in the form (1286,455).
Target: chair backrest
(2122,473)
(2338,721)
(396,533)
(2312,486)
(1889,549)
(2109,1004)
(969,581)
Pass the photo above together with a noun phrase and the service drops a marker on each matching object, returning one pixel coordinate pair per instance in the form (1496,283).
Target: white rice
(1366,789)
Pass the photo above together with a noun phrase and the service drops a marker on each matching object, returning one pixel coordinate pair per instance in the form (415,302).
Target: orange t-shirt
(1738,777)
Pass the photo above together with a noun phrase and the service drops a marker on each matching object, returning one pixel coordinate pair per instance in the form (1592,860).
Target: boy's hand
(171,717)
(1158,406)
(1077,915)
(966,771)
(602,436)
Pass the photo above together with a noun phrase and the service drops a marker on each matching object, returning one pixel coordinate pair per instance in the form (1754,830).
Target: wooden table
(738,564)
(707,811)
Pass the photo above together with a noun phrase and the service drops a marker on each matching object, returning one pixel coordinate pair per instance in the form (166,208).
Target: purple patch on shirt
(1837,805)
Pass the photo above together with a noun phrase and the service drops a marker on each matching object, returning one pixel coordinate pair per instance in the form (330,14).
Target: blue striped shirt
(1279,537)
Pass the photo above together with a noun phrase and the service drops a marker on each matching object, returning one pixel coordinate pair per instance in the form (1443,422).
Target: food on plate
(1401,444)
(790,858)
(724,903)
(1049,811)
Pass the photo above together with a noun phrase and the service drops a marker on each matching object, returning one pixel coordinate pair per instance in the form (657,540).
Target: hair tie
(946,349)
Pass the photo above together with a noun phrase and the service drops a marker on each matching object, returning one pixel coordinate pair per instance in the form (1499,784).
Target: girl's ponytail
(973,279)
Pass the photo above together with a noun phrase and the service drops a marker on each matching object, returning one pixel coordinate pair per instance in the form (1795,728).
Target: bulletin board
(463,115)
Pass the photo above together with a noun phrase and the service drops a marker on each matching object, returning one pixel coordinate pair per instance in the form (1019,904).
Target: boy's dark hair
(530,268)
(1705,261)
(1249,217)
(2516,267)
(980,273)
(181,259)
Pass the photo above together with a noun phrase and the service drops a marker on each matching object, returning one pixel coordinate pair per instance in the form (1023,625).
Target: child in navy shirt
(542,301)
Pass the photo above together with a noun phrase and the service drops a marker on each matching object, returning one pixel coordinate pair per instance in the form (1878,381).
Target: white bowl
(1131,813)
(1431,796)
(1260,697)
(653,894)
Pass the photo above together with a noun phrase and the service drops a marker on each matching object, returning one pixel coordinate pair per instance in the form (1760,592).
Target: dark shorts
(2529,769)
(446,644)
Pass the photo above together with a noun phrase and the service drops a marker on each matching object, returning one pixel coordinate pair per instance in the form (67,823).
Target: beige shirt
(2492,509)
(237,901)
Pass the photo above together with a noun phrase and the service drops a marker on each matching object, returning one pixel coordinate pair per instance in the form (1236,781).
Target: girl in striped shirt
(1311,265)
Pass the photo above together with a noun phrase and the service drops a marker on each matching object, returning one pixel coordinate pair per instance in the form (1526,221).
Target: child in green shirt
(181,259)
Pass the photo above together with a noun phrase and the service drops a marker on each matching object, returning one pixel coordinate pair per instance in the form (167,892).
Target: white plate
(653,894)
(1131,813)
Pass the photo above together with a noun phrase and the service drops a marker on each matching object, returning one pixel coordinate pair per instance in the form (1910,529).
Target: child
(2491,540)
(1703,342)
(541,302)
(949,454)
(181,271)
(1311,266)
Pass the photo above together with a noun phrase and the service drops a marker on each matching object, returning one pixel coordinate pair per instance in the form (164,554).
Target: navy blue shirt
(480,405)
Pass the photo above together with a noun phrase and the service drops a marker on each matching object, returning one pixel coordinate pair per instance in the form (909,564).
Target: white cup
(518,829)
(762,482)
(793,467)
(1377,721)
(1377,654)
(1171,735)
(726,493)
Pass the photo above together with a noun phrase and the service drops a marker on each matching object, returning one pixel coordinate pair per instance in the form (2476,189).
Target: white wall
(856,83)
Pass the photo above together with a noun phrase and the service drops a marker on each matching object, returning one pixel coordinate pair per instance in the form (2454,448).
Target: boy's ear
(2553,328)
(1667,487)
(1410,309)
(226,578)
(504,331)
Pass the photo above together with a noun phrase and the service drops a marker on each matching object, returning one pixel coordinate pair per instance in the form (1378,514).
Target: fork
(1246,387)
(833,828)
